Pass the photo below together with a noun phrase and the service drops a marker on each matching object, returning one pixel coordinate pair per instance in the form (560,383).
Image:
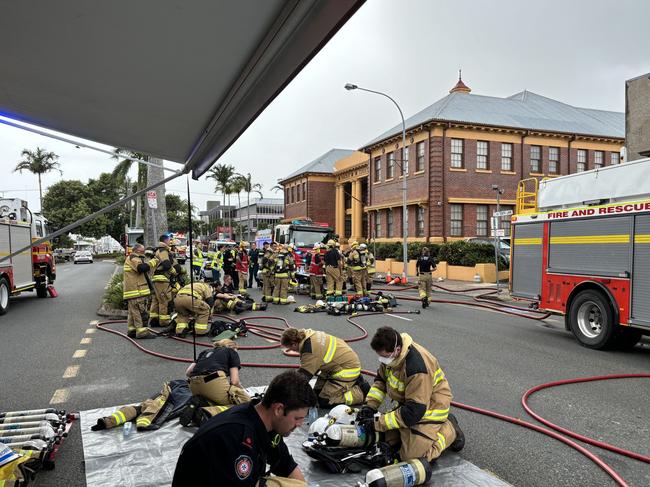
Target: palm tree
(38,162)
(121,173)
(249,187)
(223,174)
(237,186)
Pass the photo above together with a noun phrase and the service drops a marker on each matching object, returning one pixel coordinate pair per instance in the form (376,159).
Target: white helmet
(291,299)
(363,246)
(319,426)
(343,414)
(320,302)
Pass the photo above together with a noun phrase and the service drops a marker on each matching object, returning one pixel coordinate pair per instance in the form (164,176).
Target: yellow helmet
(354,244)
(331,243)
(290,248)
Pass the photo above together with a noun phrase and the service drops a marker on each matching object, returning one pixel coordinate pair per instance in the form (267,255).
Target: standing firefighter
(197,259)
(333,263)
(136,292)
(316,266)
(268,268)
(165,266)
(194,301)
(421,423)
(283,271)
(357,267)
(370,265)
(241,265)
(424,266)
(337,365)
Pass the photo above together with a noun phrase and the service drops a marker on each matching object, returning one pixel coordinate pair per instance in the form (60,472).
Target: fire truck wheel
(4,295)
(592,320)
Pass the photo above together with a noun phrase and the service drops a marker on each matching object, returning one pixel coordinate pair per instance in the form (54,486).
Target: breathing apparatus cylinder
(348,436)
(403,474)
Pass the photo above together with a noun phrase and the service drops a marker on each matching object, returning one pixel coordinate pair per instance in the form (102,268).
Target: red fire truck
(303,234)
(26,271)
(581,247)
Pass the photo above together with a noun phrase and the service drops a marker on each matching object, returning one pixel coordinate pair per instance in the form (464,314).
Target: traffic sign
(500,232)
(502,213)
(152,199)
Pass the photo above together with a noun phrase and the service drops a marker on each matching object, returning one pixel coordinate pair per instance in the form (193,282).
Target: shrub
(469,254)
(113,295)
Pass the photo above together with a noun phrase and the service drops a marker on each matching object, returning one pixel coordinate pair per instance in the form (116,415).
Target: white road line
(79,353)
(71,371)
(400,317)
(60,396)
(86,341)
(93,322)
(90,330)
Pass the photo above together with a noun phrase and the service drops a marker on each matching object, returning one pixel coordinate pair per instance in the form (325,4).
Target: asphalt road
(490,359)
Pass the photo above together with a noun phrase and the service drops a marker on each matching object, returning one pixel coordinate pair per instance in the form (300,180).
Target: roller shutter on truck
(527,260)
(641,271)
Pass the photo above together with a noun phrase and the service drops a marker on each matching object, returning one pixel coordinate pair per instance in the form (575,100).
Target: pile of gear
(354,304)
(29,441)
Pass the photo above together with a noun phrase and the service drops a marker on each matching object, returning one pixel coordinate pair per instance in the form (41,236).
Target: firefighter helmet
(331,243)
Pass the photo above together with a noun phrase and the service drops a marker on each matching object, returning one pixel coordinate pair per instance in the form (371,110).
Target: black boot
(131,334)
(154,322)
(459,442)
(424,302)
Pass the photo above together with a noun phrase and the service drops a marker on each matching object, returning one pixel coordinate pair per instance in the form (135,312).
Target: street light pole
(497,243)
(351,87)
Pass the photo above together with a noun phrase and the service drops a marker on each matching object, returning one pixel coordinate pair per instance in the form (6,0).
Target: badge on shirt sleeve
(243,466)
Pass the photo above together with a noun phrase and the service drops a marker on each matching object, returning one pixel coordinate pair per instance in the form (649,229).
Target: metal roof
(322,164)
(524,110)
(174,79)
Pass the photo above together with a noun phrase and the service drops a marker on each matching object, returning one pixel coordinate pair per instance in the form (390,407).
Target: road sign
(502,213)
(152,199)
(500,232)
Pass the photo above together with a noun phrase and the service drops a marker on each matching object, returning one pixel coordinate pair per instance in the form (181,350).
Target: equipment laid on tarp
(29,442)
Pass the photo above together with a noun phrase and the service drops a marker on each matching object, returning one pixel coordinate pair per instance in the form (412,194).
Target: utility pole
(496,227)
(156,221)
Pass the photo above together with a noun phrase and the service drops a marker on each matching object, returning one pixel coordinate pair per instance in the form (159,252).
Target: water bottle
(127,429)
(313,415)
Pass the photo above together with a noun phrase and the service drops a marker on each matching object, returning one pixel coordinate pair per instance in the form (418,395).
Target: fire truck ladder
(527,196)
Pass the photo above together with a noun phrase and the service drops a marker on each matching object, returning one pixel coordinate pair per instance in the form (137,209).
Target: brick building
(310,191)
(463,144)
(637,117)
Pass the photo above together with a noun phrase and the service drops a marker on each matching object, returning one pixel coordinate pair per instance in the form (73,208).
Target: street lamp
(350,87)
(495,225)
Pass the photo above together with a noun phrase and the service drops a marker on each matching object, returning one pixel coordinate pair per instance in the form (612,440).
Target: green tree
(121,174)
(248,186)
(237,186)
(223,175)
(38,162)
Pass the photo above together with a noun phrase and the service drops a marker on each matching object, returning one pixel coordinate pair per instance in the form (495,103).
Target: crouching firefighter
(193,301)
(235,446)
(421,425)
(136,292)
(337,365)
(237,303)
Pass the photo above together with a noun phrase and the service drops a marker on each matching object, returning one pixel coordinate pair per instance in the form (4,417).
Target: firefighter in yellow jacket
(337,365)
(136,292)
(165,267)
(194,301)
(282,272)
(357,267)
(409,375)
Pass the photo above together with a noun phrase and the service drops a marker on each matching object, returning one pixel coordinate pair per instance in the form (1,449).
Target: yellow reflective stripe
(347,373)
(442,441)
(348,398)
(201,326)
(394,382)
(142,422)
(642,239)
(131,294)
(391,421)
(528,241)
(119,417)
(221,409)
(160,278)
(435,415)
(591,239)
(438,377)
(376,393)
(188,292)
(331,350)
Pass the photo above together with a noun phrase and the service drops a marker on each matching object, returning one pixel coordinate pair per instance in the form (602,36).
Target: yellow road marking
(90,330)
(59,396)
(71,371)
(86,341)
(79,353)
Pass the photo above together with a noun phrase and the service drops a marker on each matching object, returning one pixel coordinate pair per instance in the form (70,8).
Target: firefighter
(316,266)
(268,265)
(409,375)
(424,265)
(216,265)
(197,259)
(357,269)
(370,266)
(235,447)
(333,263)
(194,301)
(337,365)
(136,293)
(215,375)
(241,266)
(165,266)
(227,300)
(283,271)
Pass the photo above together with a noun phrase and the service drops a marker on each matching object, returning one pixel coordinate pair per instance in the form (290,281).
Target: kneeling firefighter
(337,365)
(421,425)
(228,301)
(194,301)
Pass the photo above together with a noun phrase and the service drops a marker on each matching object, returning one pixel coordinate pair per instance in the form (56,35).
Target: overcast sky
(577,52)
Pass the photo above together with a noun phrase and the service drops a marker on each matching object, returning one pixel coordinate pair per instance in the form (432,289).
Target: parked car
(83,256)
(504,246)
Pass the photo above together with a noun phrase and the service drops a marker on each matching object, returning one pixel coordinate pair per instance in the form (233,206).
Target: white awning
(175,79)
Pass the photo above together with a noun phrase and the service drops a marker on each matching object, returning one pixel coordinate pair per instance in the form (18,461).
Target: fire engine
(181,247)
(27,271)
(581,247)
(130,238)
(303,234)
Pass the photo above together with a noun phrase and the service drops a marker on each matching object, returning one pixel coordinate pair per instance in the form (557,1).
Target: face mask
(387,360)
